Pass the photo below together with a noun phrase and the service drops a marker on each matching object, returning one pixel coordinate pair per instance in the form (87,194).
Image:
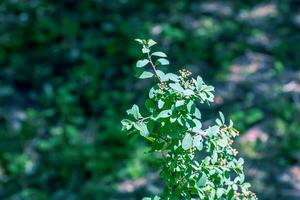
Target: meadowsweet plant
(196,162)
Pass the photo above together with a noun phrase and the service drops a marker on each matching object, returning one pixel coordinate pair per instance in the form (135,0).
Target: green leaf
(164,114)
(218,121)
(173,119)
(151,43)
(160,104)
(150,125)
(163,61)
(134,111)
(187,141)
(173,77)
(159,54)
(211,131)
(126,124)
(152,92)
(234,187)
(246,185)
(142,63)
(177,87)
(198,126)
(145,75)
(222,117)
(188,92)
(139,41)
(230,123)
(214,157)
(156,198)
(203,96)
(242,178)
(197,113)
(162,75)
(210,97)
(179,103)
(202,181)
(222,142)
(240,162)
(212,194)
(142,128)
(220,192)
(208,88)
(145,50)
(198,142)
(199,83)
(151,139)
(180,120)
(230,194)
(191,107)
(149,105)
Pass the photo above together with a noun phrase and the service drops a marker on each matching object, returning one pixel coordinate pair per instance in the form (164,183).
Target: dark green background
(67,78)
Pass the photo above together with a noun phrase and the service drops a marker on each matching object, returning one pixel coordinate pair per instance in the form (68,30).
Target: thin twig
(154,67)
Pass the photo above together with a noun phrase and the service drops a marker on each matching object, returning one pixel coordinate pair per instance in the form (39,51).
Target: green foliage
(66,72)
(174,128)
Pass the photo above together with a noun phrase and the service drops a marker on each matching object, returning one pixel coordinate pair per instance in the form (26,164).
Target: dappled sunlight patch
(259,13)
(217,8)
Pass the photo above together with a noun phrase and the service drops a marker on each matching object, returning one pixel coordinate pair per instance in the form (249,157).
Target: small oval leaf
(163,61)
(159,54)
(187,141)
(202,180)
(146,74)
(142,63)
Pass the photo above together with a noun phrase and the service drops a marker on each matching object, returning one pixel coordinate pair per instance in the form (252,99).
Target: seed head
(185,73)
(162,86)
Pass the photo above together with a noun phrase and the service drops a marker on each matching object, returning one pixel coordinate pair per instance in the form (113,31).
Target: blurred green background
(67,77)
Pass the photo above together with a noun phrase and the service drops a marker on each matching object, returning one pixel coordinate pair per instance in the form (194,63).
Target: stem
(145,118)
(154,67)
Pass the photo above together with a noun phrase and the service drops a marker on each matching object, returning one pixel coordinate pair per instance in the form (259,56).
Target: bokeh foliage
(66,79)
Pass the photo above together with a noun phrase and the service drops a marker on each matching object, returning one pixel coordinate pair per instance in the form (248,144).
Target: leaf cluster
(174,128)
